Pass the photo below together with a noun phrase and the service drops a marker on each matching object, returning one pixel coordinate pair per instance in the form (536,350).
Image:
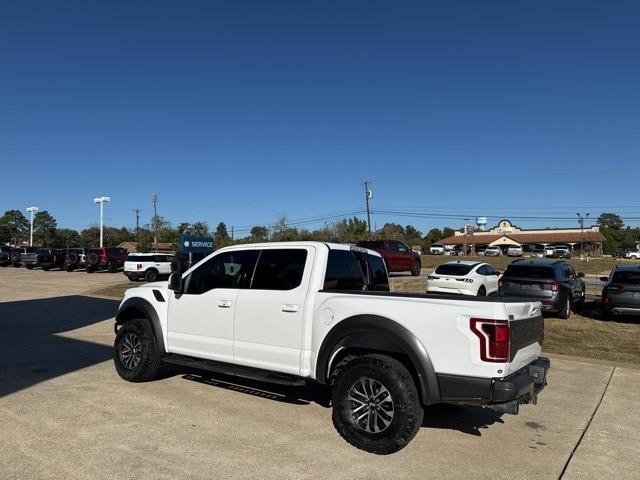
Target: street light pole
(31,210)
(101,201)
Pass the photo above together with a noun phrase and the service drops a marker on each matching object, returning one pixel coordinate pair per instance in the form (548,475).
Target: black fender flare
(377,333)
(138,308)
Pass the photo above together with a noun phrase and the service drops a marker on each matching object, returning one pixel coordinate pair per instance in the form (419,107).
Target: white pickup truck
(289,313)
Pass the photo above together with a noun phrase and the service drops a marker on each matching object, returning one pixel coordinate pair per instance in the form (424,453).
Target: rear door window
(279,269)
(344,272)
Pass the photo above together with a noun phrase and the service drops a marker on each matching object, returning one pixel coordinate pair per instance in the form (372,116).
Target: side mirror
(604,279)
(175,282)
(581,274)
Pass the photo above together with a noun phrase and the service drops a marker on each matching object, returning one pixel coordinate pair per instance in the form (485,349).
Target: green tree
(200,229)
(412,235)
(90,237)
(259,234)
(221,236)
(145,240)
(67,237)
(13,226)
(351,231)
(448,232)
(44,229)
(392,231)
(611,221)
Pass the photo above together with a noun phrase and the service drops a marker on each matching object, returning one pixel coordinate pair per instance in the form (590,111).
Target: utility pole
(367,196)
(581,219)
(137,210)
(154,200)
(231,232)
(31,210)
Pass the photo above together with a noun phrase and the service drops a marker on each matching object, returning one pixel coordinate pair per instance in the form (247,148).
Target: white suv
(148,266)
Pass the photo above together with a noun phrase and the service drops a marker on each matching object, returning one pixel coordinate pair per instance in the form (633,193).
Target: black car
(621,293)
(51,258)
(19,254)
(554,283)
(5,255)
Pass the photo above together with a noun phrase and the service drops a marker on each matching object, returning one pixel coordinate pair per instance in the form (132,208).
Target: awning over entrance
(504,241)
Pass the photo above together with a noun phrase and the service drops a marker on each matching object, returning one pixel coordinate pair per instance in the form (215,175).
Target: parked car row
(553,283)
(69,259)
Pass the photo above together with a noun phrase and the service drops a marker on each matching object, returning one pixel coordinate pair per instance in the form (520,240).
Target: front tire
(135,353)
(376,406)
(482,292)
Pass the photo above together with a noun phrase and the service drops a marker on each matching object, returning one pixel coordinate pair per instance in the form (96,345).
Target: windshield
(455,269)
(532,271)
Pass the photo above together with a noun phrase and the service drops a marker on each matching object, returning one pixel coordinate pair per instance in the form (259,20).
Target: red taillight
(553,286)
(495,338)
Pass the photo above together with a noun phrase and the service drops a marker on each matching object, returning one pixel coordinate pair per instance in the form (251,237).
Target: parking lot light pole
(31,210)
(101,201)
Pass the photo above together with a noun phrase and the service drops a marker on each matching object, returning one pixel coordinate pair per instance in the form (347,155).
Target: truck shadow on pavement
(466,419)
(31,351)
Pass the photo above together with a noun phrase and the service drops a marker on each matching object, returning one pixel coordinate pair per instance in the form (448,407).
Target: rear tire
(151,275)
(390,402)
(46,269)
(89,269)
(112,267)
(415,269)
(565,313)
(135,353)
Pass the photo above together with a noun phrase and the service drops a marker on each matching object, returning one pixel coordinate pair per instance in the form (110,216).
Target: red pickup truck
(397,256)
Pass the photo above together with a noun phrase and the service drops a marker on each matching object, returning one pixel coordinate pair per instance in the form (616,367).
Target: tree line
(14,228)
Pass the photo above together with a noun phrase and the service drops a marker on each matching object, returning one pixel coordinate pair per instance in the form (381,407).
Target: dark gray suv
(621,293)
(554,283)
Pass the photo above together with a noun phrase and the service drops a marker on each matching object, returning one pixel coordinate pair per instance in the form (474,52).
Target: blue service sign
(196,244)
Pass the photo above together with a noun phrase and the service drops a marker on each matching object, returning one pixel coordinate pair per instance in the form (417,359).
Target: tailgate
(527,333)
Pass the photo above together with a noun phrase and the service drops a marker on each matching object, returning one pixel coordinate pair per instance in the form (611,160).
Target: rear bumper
(522,386)
(457,291)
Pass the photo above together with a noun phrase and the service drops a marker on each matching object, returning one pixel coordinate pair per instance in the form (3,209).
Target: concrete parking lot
(66,414)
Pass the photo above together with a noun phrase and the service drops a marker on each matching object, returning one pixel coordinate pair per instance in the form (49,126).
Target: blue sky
(243,111)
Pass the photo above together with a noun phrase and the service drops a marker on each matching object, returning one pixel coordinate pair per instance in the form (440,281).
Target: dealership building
(505,234)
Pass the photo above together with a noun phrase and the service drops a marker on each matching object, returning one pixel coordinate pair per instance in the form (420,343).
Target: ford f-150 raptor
(288,313)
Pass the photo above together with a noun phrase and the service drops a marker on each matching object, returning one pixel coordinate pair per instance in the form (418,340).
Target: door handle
(224,303)
(290,308)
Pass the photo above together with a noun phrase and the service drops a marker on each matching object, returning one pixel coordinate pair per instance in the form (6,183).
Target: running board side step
(236,370)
